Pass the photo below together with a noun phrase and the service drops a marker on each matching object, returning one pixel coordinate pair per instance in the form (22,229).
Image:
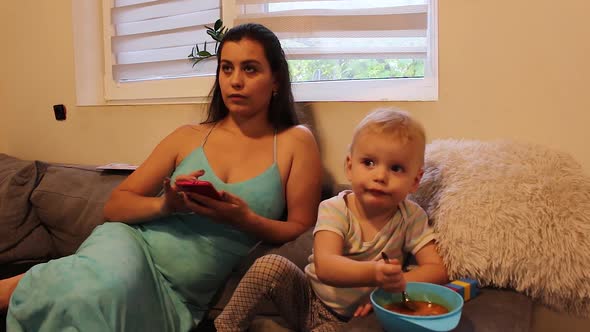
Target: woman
(157,268)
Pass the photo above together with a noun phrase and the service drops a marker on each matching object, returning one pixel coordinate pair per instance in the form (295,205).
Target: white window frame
(95,86)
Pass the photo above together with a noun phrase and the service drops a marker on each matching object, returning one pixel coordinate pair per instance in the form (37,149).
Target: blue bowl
(418,291)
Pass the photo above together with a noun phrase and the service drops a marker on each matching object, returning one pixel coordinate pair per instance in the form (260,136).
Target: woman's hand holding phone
(202,198)
(204,188)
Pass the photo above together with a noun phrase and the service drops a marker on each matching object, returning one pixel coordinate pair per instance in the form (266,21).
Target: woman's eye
(225,68)
(397,168)
(249,69)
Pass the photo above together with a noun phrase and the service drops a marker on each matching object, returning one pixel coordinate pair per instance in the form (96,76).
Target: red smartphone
(200,187)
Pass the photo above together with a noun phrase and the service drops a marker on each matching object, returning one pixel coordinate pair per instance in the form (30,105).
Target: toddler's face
(383,170)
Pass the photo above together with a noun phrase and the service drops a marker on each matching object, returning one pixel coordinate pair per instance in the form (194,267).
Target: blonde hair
(394,122)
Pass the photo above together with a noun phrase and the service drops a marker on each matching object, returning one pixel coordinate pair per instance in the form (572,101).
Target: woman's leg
(110,284)
(321,319)
(7,286)
(273,278)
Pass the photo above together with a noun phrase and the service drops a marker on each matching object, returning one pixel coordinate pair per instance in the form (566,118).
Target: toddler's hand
(363,310)
(390,276)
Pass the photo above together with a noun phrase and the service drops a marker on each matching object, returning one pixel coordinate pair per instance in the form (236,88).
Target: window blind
(151,39)
(341,29)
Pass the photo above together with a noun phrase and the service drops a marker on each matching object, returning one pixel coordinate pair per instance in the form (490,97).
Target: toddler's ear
(348,167)
(417,179)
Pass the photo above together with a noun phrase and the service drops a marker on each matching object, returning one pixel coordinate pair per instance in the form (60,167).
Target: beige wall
(508,69)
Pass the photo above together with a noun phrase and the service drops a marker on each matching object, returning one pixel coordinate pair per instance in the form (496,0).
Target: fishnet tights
(277,279)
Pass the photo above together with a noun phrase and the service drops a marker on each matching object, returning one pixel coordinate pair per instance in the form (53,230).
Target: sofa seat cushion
(224,295)
(22,236)
(492,311)
(497,310)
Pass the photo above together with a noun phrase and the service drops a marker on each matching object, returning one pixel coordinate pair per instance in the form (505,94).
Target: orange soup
(422,308)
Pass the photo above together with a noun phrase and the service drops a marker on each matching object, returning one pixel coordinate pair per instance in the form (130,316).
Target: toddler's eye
(397,168)
(368,163)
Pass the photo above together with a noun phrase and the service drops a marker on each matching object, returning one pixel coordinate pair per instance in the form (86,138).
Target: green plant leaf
(212,34)
(197,61)
(216,33)
(218,24)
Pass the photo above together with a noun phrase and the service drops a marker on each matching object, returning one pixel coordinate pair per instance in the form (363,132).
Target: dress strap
(207,136)
(275,147)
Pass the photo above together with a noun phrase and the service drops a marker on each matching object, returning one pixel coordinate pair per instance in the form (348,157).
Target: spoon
(406,302)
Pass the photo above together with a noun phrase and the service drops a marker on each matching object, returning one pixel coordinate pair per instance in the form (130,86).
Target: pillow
(69,200)
(22,237)
(512,215)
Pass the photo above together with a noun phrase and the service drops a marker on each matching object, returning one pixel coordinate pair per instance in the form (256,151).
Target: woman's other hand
(231,209)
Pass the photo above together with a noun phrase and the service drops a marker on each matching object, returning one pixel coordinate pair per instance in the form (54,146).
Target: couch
(48,209)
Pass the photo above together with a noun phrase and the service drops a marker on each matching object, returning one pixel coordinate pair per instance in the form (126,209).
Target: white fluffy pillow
(512,215)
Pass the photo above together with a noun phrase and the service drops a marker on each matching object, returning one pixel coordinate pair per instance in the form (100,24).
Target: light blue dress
(156,276)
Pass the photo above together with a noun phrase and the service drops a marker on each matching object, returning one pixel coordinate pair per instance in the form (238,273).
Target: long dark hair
(281,110)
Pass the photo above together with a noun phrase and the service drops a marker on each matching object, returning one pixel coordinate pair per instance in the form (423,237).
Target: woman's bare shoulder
(299,135)
(190,131)
(184,139)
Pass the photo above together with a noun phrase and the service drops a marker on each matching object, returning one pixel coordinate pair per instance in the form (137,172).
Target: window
(338,50)
(354,50)
(146,47)
(151,39)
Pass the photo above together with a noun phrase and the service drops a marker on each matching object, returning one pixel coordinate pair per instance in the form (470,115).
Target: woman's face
(245,78)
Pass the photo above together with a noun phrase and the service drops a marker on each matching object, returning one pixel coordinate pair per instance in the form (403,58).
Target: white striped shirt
(407,232)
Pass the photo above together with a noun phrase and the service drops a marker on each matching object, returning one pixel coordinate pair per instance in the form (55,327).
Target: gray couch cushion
(23,238)
(224,294)
(497,310)
(492,311)
(69,201)
(297,251)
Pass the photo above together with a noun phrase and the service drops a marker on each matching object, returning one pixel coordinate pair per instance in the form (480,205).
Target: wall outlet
(60,112)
